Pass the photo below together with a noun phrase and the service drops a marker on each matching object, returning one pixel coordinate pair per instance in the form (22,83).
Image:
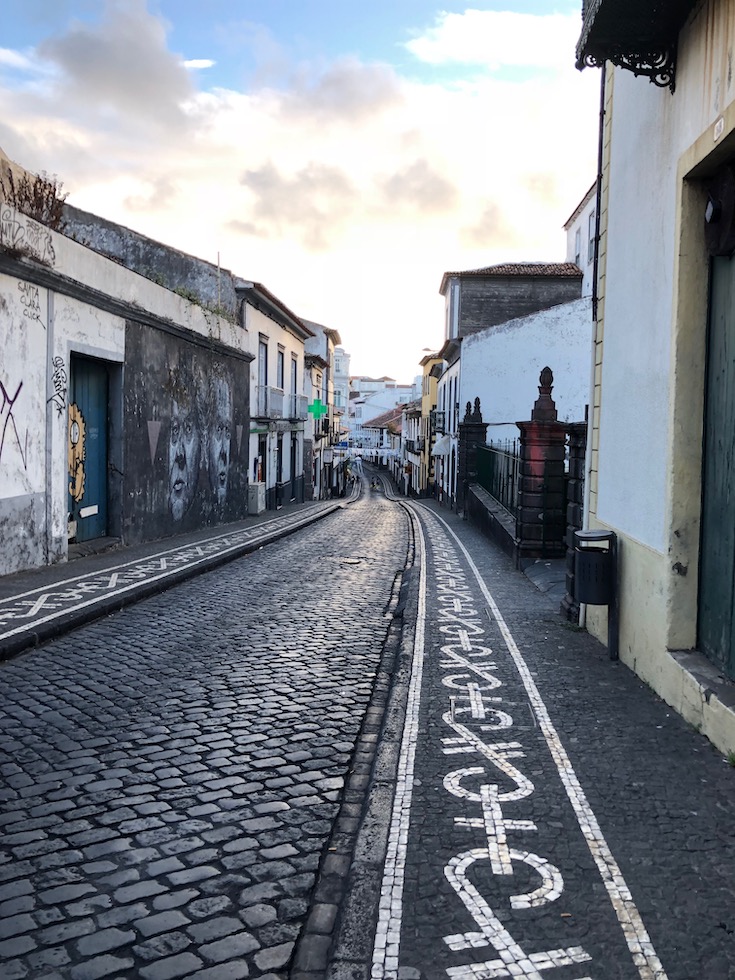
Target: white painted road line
(108,584)
(390,914)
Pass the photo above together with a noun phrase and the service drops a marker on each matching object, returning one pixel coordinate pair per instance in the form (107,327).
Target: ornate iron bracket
(658,66)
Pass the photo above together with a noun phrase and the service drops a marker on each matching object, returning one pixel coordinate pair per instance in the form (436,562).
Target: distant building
(479,305)
(323,426)
(581,229)
(370,397)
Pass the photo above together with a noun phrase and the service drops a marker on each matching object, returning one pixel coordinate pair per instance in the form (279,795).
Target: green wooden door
(717,562)
(88,448)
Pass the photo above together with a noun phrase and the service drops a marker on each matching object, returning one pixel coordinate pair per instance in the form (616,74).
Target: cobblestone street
(370,750)
(171,773)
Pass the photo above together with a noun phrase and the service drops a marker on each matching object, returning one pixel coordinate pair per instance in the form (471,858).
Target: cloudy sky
(343,154)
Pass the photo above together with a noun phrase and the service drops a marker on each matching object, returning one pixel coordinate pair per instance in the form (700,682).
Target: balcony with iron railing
(638,35)
(270,402)
(297,407)
(437,421)
(274,404)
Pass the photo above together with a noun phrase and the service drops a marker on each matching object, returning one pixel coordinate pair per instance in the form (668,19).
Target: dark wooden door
(717,560)
(293,466)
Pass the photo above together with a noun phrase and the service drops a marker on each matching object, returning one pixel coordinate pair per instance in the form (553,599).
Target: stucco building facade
(661,435)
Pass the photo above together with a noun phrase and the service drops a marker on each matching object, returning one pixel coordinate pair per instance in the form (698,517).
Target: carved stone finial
(477,414)
(544,409)
(468,413)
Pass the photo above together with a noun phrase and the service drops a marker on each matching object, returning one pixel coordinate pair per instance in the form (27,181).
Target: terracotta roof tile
(381,421)
(541,269)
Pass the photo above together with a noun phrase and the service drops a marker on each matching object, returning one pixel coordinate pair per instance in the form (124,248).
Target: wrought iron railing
(498,467)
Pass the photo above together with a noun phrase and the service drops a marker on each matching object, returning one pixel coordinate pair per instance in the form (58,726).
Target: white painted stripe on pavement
(265,526)
(390,914)
(31,624)
(639,943)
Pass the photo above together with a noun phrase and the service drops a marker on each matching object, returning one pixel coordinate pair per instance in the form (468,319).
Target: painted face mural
(184,455)
(220,432)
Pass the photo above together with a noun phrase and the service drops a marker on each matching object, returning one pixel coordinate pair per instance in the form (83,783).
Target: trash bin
(594,567)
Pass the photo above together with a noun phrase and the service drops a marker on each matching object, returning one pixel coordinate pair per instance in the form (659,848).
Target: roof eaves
(262,298)
(581,206)
(536,270)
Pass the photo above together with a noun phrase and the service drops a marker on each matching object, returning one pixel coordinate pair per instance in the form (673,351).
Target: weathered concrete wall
(190,277)
(23,325)
(490,300)
(186,435)
(61,303)
(501,366)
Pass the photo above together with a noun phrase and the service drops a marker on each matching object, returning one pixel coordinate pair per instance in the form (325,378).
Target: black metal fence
(497,471)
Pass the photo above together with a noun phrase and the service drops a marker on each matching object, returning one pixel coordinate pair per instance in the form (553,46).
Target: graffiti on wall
(200,435)
(185,440)
(21,234)
(9,424)
(76,452)
(58,381)
(30,300)
(219,432)
(188,408)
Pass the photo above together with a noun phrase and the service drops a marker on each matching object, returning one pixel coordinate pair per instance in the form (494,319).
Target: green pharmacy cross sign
(317,409)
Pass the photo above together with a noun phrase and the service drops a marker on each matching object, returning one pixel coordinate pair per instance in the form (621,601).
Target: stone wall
(491,300)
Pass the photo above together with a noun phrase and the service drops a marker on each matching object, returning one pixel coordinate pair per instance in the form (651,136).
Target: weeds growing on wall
(37,196)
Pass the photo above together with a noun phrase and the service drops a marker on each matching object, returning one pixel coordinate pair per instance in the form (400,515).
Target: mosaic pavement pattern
(552,818)
(25,612)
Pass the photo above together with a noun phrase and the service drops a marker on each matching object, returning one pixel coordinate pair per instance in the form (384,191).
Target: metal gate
(717,561)
(87,448)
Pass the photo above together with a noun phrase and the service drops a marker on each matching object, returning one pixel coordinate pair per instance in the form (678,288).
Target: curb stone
(332,945)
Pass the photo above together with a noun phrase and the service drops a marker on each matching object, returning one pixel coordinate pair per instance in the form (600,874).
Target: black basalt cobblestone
(171,774)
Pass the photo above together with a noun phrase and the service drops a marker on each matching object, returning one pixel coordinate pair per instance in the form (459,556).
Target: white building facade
(581,232)
(278,406)
(662,435)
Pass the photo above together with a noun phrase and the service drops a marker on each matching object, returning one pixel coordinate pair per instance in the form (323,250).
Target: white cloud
(197,63)
(348,190)
(120,66)
(497,39)
(14,59)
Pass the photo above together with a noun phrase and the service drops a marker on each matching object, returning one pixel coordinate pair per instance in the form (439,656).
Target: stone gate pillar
(472,433)
(541,518)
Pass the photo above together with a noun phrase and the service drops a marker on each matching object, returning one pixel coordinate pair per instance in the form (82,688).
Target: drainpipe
(595,269)
(600,150)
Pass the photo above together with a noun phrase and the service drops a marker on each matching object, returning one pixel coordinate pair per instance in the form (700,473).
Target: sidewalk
(43,603)
(534,810)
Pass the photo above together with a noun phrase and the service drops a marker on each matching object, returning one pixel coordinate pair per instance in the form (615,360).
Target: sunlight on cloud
(498,39)
(344,187)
